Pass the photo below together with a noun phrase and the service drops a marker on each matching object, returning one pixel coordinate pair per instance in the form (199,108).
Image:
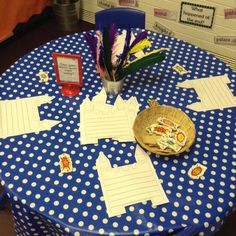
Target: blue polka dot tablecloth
(46,202)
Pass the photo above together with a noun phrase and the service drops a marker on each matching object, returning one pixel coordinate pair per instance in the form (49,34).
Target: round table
(45,202)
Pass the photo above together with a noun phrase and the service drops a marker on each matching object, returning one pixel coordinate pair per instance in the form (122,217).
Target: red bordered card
(68,69)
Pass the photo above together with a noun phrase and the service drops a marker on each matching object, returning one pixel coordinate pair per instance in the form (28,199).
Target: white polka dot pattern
(46,202)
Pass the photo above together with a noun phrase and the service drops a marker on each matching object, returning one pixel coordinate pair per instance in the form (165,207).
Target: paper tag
(180,137)
(166,14)
(180,69)
(43,75)
(171,143)
(225,40)
(132,3)
(195,14)
(197,171)
(167,122)
(162,29)
(105,4)
(65,163)
(230,13)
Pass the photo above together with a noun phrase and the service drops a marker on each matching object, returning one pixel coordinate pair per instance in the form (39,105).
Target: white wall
(200,36)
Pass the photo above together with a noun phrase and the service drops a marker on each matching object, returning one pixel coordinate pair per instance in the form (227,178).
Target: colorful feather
(149,54)
(114,58)
(104,48)
(139,46)
(99,44)
(107,51)
(126,48)
(91,41)
(142,62)
(113,34)
(141,36)
(100,63)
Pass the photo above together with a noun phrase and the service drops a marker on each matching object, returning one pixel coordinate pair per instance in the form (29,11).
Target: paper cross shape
(212,91)
(99,120)
(21,116)
(126,185)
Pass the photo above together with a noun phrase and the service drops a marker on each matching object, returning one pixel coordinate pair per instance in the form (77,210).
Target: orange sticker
(196,171)
(167,122)
(65,163)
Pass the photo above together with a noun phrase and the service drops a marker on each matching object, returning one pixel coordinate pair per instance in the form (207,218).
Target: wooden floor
(38,33)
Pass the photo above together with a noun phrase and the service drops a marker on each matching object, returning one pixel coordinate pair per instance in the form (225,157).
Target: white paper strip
(212,91)
(130,184)
(131,3)
(165,13)
(225,40)
(230,13)
(21,116)
(162,29)
(105,4)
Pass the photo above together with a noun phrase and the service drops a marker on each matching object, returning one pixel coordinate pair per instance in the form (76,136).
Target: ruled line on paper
(130,184)
(21,116)
(129,176)
(100,120)
(129,196)
(117,190)
(213,93)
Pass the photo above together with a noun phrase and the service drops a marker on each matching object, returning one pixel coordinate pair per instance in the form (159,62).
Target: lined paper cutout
(212,91)
(99,120)
(130,184)
(21,116)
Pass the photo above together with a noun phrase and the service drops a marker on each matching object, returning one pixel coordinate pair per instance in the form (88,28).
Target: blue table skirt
(45,202)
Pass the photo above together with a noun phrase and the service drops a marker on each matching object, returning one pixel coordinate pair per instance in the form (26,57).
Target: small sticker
(167,122)
(195,14)
(162,145)
(153,102)
(159,129)
(166,14)
(162,29)
(171,143)
(149,130)
(225,40)
(65,163)
(43,75)
(180,69)
(180,137)
(230,13)
(196,171)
